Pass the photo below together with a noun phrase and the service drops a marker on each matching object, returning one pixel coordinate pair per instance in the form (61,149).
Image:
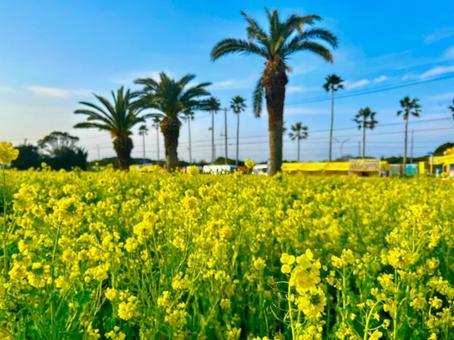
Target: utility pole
(341,145)
(412,145)
(143,148)
(225,135)
(359,149)
(189,135)
(213,153)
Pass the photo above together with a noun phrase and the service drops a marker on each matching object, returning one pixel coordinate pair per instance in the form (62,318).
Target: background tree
(276,44)
(60,151)
(143,131)
(213,105)
(188,116)
(238,105)
(55,141)
(298,132)
(333,84)
(365,119)
(117,117)
(410,107)
(29,157)
(155,123)
(172,98)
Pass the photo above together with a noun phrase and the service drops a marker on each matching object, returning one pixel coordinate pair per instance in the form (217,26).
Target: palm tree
(213,105)
(276,45)
(410,107)
(365,119)
(188,116)
(333,84)
(238,105)
(117,117)
(172,98)
(155,123)
(143,131)
(298,132)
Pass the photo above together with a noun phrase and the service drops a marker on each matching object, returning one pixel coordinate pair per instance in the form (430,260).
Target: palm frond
(231,46)
(257,100)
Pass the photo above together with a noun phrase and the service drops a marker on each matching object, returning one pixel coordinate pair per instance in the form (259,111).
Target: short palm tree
(282,39)
(213,105)
(117,117)
(172,98)
(297,133)
(333,84)
(410,107)
(365,119)
(237,105)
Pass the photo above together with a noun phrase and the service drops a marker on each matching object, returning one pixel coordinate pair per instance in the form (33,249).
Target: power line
(376,90)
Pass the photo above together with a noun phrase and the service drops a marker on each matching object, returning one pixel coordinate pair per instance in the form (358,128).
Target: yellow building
(446,161)
(359,167)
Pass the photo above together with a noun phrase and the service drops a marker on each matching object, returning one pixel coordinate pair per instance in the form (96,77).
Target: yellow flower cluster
(7,153)
(150,255)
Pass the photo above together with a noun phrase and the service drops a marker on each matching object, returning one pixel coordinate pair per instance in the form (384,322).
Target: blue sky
(55,53)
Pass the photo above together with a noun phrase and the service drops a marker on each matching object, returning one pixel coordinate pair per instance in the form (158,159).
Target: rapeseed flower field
(126,255)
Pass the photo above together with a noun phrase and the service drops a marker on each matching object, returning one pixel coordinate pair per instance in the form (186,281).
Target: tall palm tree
(410,107)
(365,119)
(188,116)
(143,131)
(117,117)
(213,105)
(298,132)
(172,98)
(238,105)
(155,123)
(333,84)
(276,44)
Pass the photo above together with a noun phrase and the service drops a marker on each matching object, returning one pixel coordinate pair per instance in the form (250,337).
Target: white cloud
(380,79)
(44,91)
(357,84)
(436,71)
(234,84)
(296,110)
(56,92)
(297,89)
(449,53)
(441,34)
(442,96)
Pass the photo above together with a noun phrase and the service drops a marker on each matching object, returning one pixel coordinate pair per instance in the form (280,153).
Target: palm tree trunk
(123,146)
(364,141)
(157,143)
(404,167)
(274,81)
(170,127)
(212,137)
(237,137)
(331,128)
(189,135)
(299,141)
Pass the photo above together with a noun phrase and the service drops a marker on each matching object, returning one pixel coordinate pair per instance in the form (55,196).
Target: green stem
(289,291)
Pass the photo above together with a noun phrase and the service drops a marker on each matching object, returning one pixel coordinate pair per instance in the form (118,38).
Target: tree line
(170,101)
